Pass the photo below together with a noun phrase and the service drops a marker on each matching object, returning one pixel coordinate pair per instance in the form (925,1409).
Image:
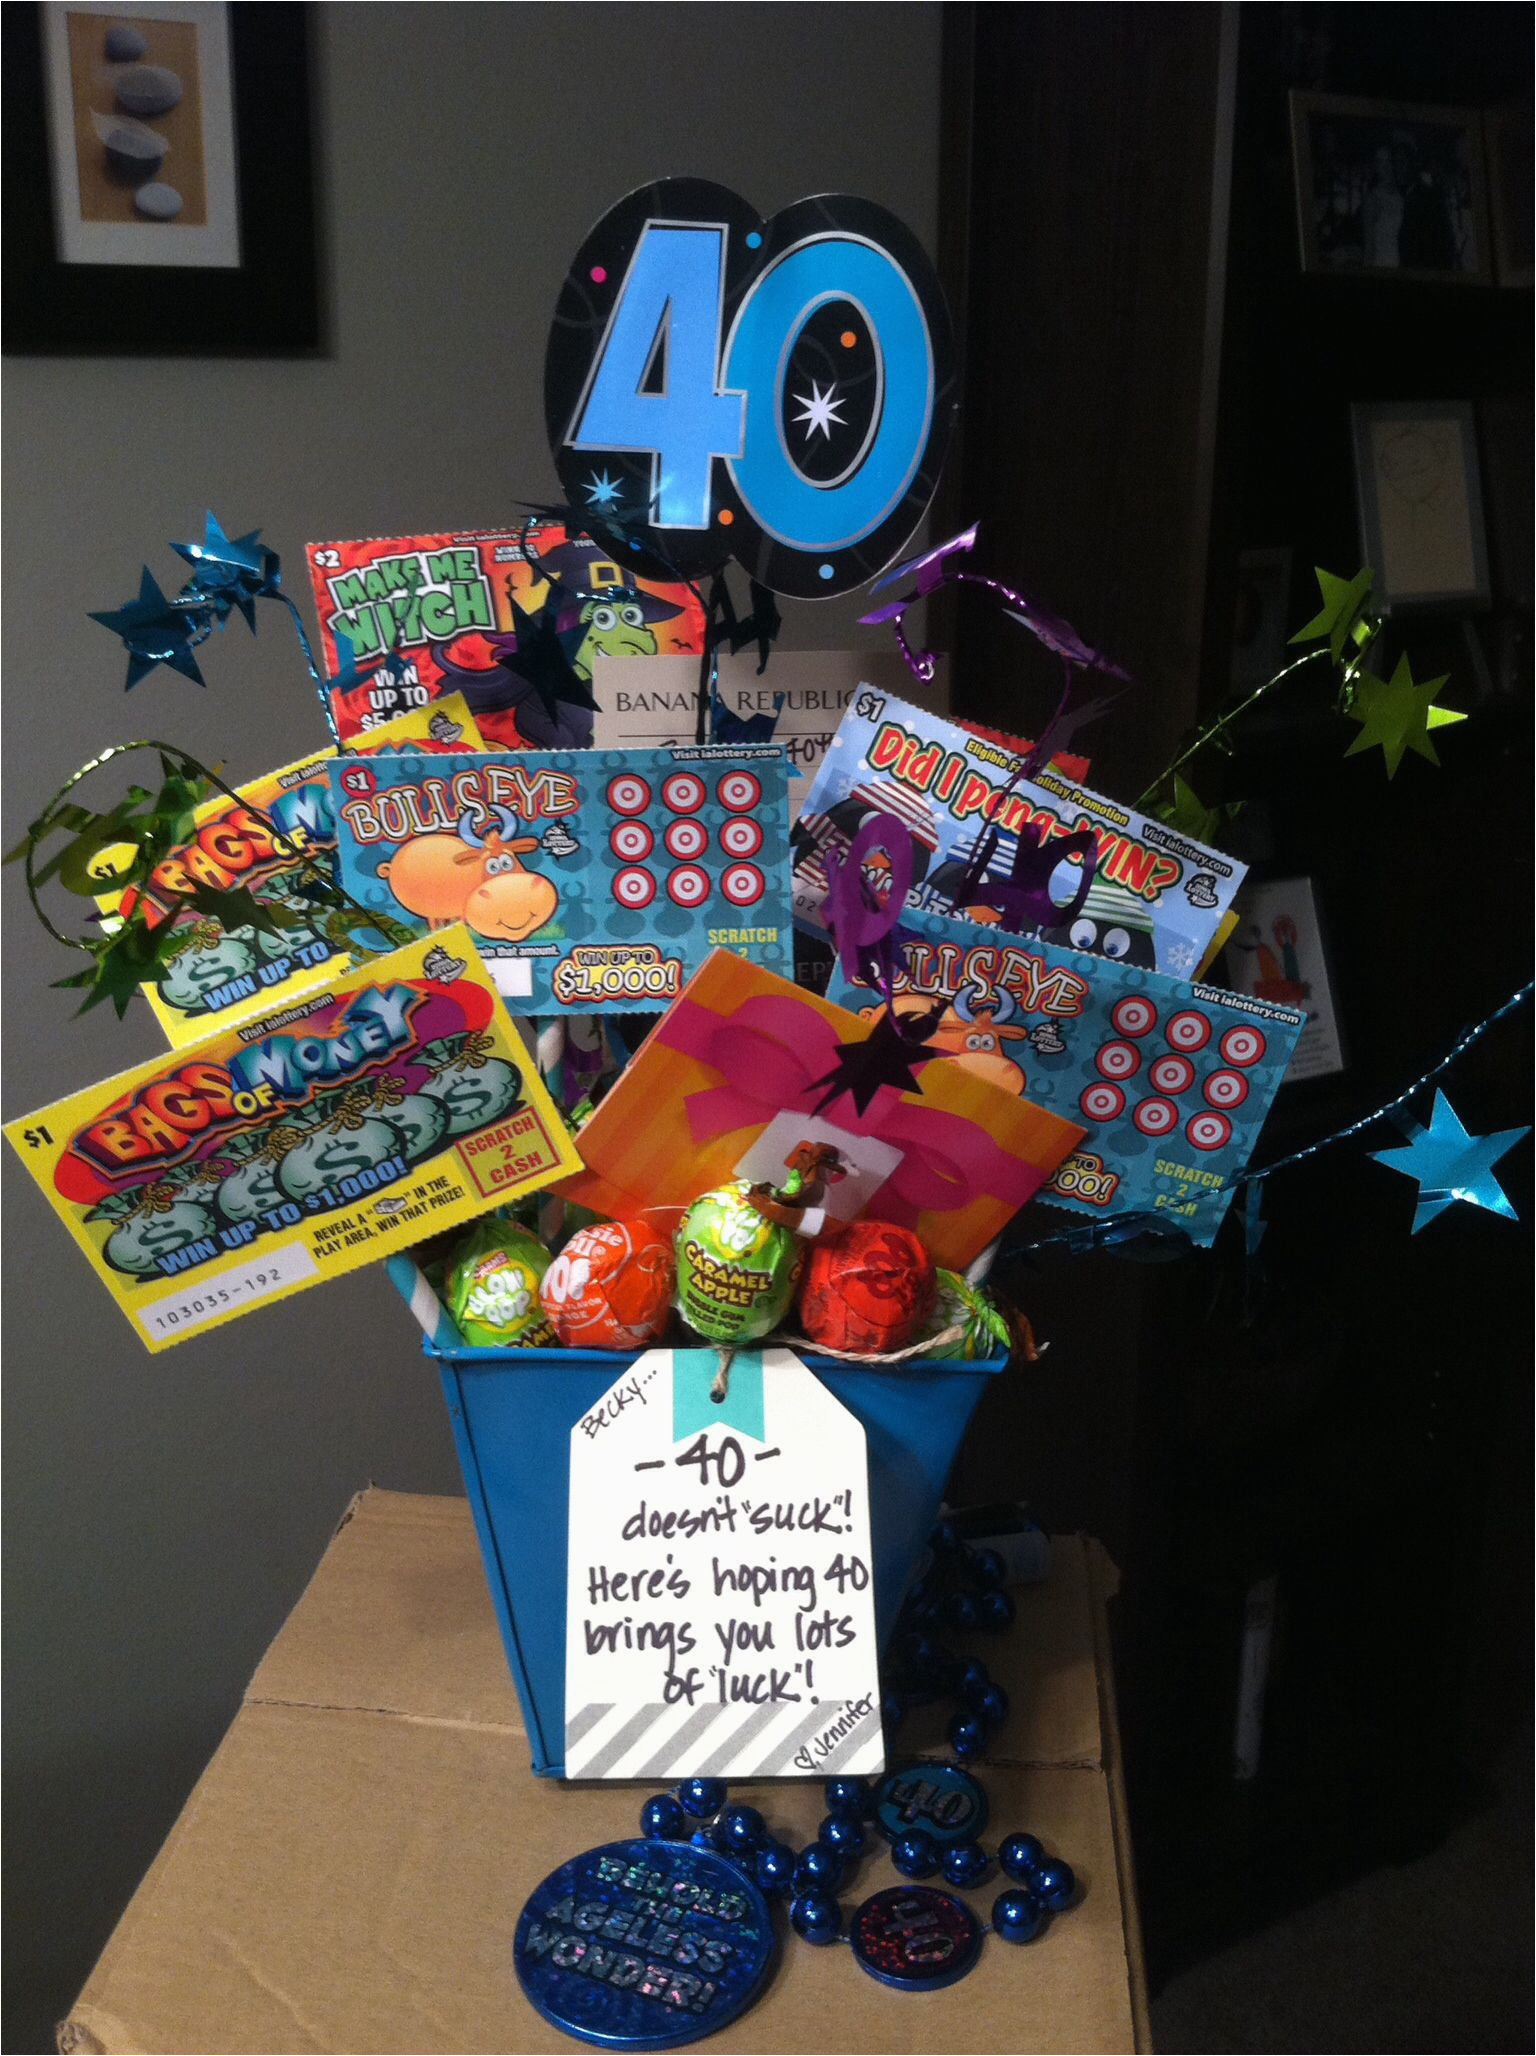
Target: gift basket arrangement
(698,1092)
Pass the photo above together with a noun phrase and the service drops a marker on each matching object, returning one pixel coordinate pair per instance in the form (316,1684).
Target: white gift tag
(720,1615)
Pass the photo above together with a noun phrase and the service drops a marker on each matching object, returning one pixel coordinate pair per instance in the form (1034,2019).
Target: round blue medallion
(942,1800)
(915,1938)
(644,1945)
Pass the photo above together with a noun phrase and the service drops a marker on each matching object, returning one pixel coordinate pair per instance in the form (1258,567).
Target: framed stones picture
(160,194)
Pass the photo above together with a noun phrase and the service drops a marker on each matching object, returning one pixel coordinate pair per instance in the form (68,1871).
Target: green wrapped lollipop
(493,1288)
(736,1271)
(983,1330)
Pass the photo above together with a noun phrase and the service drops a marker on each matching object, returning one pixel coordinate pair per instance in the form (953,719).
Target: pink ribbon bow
(773,1055)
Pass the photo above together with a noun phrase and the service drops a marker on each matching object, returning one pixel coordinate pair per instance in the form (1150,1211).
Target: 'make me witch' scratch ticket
(389,1103)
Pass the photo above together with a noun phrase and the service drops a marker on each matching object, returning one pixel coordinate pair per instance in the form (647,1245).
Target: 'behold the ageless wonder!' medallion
(644,1945)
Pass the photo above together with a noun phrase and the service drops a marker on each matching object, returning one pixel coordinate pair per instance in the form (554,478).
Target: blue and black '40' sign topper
(777,391)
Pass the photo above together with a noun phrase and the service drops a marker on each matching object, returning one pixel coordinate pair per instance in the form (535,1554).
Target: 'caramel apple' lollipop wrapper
(736,1271)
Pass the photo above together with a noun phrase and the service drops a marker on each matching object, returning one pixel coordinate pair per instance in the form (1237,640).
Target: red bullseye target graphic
(688,886)
(1226,1089)
(628,793)
(741,837)
(1209,1131)
(1188,1032)
(743,885)
(1102,1103)
(630,841)
(686,838)
(739,791)
(684,792)
(1134,1016)
(634,889)
(1243,1046)
(1118,1060)
(1172,1074)
(1156,1117)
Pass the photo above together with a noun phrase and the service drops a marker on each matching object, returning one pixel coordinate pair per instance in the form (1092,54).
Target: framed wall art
(1421,502)
(1278,953)
(159,184)
(1388,190)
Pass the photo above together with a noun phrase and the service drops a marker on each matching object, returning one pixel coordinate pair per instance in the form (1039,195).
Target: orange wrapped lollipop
(611,1287)
(870,1289)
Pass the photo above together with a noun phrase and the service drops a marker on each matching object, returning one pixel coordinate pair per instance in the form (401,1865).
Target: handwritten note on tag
(720,1594)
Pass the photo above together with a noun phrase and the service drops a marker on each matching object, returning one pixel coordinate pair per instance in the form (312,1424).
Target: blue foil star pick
(1450,1164)
(230,573)
(349,674)
(155,630)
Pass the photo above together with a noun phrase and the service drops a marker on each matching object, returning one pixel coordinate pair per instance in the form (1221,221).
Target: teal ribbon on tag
(693,1373)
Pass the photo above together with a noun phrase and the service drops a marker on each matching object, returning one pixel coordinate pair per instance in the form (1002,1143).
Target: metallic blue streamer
(1098,1234)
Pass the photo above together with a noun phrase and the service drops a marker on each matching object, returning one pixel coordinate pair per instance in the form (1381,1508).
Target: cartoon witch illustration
(541,672)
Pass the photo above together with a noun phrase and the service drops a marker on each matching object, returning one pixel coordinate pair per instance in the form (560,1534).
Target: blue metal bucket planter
(513,1411)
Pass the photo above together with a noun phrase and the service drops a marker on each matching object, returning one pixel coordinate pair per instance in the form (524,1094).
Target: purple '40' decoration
(867,890)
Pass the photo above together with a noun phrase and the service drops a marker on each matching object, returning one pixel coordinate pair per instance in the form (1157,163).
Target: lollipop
(958,1305)
(736,1270)
(610,1287)
(868,1290)
(493,1288)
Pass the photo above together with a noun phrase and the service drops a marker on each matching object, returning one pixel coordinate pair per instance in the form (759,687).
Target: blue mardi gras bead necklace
(658,1942)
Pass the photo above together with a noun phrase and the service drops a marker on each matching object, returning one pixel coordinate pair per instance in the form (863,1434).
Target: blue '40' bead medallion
(644,1945)
(946,1803)
(915,1938)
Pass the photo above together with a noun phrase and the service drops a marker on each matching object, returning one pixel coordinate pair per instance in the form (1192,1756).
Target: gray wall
(163,1513)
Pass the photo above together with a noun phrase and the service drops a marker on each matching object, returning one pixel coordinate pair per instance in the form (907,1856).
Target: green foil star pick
(1189,814)
(1398,715)
(1341,616)
(1450,1165)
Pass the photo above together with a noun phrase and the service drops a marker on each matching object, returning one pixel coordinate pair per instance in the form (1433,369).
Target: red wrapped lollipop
(870,1289)
(611,1287)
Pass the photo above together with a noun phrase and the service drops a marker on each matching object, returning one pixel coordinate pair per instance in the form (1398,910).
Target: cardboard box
(349,1871)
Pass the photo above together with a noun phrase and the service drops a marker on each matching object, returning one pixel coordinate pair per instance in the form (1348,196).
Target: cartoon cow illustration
(970,1035)
(476,878)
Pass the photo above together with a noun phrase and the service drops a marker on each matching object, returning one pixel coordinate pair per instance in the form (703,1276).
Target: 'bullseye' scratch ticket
(389,1103)
(589,878)
(1172,1081)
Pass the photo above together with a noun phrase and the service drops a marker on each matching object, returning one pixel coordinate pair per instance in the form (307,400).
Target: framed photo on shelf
(160,193)
(1390,190)
(1277,953)
(1421,503)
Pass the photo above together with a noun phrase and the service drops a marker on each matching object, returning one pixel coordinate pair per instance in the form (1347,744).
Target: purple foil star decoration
(944,565)
(1058,636)
(928,571)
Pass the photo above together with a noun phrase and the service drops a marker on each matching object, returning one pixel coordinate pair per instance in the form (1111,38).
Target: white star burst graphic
(602,490)
(820,410)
